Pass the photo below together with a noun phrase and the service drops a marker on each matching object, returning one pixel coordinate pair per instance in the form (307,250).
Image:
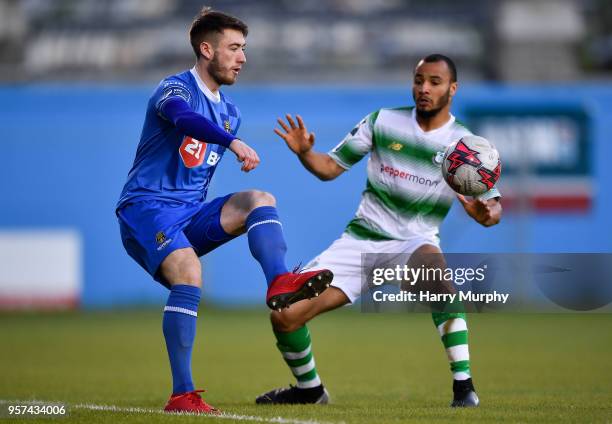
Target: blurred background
(535,78)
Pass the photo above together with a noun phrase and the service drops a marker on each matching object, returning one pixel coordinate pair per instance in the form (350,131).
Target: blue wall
(66,151)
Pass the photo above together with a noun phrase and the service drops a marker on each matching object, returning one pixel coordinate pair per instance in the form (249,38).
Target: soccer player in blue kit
(164,218)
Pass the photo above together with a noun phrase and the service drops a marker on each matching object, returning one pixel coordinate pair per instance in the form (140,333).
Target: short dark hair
(209,22)
(437,57)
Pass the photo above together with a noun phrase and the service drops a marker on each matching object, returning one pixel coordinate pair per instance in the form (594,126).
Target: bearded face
(428,108)
(221,74)
(432,88)
(227,57)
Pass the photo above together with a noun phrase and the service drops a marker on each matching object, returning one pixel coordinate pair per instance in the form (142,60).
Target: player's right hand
(244,154)
(485,212)
(297,137)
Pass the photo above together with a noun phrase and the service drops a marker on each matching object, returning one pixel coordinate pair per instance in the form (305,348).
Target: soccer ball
(471,166)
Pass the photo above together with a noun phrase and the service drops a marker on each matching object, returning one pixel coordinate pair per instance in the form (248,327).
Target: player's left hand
(485,212)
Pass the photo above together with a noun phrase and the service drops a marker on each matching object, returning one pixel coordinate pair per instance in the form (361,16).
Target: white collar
(418,127)
(213,97)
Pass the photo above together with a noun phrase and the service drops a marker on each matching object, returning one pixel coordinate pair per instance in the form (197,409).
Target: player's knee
(428,256)
(286,322)
(258,199)
(191,277)
(182,267)
(243,203)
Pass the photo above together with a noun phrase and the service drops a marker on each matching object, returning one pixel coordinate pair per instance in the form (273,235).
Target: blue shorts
(152,229)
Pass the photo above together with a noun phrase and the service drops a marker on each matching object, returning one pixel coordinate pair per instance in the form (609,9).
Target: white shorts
(344,259)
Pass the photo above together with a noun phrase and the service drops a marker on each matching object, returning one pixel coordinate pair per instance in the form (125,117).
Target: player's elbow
(490,223)
(326,176)
(182,122)
(331,171)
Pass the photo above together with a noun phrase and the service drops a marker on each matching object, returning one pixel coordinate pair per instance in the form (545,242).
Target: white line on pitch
(137,410)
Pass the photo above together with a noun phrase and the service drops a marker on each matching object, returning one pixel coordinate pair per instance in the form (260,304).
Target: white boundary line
(138,410)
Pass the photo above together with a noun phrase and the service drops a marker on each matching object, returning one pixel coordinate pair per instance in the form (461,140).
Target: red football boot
(190,402)
(292,287)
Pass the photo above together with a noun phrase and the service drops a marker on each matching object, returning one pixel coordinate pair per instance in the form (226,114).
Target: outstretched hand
(486,213)
(297,137)
(244,154)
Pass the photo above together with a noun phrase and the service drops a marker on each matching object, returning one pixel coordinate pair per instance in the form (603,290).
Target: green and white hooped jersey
(405,194)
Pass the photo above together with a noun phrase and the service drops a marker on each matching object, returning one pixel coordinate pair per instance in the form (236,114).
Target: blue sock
(179,325)
(266,241)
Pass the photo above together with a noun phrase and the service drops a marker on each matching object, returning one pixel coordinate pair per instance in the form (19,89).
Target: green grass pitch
(378,368)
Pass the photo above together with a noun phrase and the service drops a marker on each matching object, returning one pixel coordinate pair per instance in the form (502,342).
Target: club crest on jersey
(227,126)
(162,240)
(395,146)
(192,152)
(438,158)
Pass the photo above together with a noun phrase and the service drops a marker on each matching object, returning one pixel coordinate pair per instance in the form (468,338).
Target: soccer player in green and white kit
(400,211)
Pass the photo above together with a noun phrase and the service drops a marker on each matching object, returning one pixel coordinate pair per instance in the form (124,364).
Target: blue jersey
(170,165)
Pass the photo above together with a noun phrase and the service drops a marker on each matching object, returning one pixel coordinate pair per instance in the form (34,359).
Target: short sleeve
(170,88)
(356,144)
